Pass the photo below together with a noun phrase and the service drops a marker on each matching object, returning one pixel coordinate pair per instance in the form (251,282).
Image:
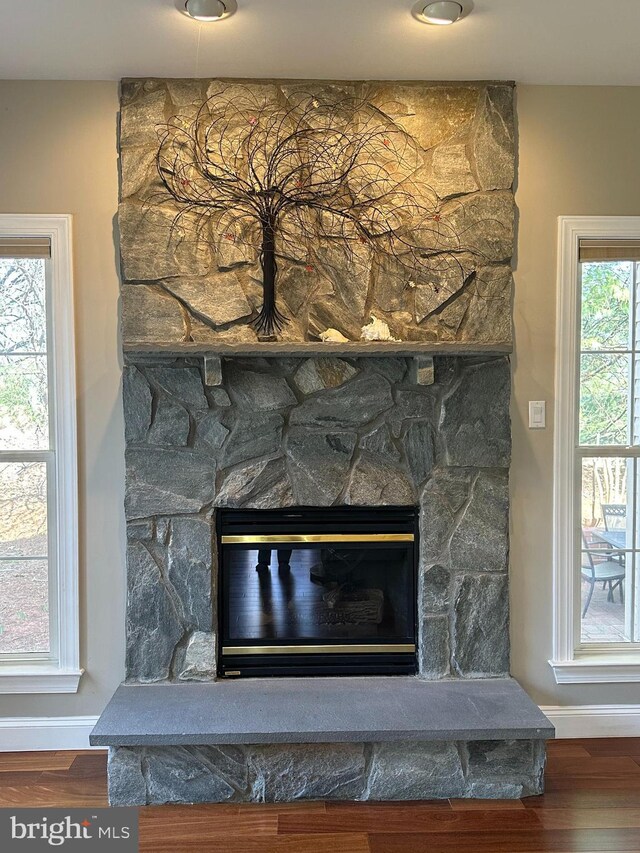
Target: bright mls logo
(75,829)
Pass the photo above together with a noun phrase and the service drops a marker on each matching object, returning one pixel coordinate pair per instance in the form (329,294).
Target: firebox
(317,591)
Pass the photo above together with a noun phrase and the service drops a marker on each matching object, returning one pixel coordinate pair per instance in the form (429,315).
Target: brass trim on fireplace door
(290,538)
(301,650)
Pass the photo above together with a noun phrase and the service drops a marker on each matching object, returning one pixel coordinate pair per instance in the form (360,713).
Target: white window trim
(62,673)
(572,665)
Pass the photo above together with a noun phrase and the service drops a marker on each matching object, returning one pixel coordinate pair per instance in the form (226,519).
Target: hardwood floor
(591,805)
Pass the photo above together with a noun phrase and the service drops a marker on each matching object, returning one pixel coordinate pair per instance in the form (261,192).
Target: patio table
(616,538)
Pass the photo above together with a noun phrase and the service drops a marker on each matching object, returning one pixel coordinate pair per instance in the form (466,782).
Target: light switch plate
(537,414)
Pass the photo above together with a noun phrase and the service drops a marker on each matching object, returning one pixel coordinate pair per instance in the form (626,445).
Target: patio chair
(601,565)
(615,516)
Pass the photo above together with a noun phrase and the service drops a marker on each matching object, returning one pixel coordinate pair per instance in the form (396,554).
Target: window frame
(572,664)
(59,671)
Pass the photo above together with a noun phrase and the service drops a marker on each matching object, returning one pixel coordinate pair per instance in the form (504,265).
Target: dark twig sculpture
(311,171)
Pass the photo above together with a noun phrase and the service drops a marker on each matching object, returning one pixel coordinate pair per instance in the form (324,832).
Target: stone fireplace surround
(318,431)
(299,422)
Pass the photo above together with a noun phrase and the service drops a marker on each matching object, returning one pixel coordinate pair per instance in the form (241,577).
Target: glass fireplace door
(319,593)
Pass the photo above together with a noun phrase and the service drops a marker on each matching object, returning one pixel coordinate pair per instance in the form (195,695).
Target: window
(597,463)
(39,649)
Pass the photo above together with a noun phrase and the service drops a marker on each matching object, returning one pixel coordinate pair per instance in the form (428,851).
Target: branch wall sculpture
(277,210)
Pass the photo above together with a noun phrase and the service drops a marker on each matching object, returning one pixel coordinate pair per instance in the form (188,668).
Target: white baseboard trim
(28,734)
(594,720)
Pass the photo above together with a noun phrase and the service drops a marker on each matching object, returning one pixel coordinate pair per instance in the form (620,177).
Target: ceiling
(530,41)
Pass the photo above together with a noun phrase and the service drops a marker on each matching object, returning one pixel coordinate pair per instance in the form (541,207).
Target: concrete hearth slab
(319,710)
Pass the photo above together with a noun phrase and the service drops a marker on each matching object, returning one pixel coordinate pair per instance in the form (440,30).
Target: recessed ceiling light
(442,13)
(207,10)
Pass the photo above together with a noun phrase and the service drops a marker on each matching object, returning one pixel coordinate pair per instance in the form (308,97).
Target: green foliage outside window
(604,377)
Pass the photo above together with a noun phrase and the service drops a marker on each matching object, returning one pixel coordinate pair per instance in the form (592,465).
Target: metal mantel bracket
(424,370)
(212,370)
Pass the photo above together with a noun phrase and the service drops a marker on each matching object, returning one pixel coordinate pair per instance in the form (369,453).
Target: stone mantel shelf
(319,710)
(359,349)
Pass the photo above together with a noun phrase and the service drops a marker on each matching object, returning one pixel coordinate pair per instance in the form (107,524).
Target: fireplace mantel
(355,349)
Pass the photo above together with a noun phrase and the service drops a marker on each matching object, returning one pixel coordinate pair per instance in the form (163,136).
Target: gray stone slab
(317,348)
(319,710)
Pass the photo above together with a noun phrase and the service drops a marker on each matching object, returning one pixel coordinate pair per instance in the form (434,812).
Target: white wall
(578,156)
(58,155)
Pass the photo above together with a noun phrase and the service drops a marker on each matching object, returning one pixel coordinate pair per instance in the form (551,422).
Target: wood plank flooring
(591,805)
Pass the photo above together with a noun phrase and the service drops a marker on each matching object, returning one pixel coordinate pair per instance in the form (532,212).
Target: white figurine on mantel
(333,336)
(376,330)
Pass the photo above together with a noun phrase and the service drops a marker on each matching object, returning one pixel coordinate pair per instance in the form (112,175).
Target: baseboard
(26,734)
(594,720)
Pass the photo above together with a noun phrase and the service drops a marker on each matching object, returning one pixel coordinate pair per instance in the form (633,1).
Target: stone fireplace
(369,437)
(224,429)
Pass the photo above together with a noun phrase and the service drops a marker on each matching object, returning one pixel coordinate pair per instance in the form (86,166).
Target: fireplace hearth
(317,591)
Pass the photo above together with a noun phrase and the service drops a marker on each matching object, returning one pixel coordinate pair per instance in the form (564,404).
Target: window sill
(597,669)
(38,678)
